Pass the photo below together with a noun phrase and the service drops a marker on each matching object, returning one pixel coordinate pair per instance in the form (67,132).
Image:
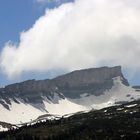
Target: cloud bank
(87,33)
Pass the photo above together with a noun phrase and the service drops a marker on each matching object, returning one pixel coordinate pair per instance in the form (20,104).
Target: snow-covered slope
(63,107)
(73,92)
(19,113)
(22,112)
(118,94)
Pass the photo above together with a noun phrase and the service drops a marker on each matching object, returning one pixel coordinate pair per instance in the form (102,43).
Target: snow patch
(19,113)
(128,106)
(64,106)
(3,128)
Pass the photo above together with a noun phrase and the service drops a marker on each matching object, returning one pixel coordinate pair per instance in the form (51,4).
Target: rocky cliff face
(92,81)
(88,76)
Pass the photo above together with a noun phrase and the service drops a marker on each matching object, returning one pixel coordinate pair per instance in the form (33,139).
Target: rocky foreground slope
(76,91)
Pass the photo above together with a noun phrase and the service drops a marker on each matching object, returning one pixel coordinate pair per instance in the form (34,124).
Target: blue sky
(20,15)
(16,16)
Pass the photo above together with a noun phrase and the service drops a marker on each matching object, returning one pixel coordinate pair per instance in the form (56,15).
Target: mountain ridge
(85,76)
(94,81)
(76,91)
(117,72)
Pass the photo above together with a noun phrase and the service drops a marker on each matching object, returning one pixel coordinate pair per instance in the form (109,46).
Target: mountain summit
(68,93)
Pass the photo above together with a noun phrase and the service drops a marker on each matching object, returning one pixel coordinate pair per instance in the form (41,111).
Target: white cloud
(87,33)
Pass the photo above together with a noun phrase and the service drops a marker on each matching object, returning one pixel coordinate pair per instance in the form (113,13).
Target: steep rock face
(88,76)
(94,81)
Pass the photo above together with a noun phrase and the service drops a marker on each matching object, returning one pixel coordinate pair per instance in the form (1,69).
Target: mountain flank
(69,93)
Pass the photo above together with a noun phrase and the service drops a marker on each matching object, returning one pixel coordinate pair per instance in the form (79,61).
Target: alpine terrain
(80,90)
